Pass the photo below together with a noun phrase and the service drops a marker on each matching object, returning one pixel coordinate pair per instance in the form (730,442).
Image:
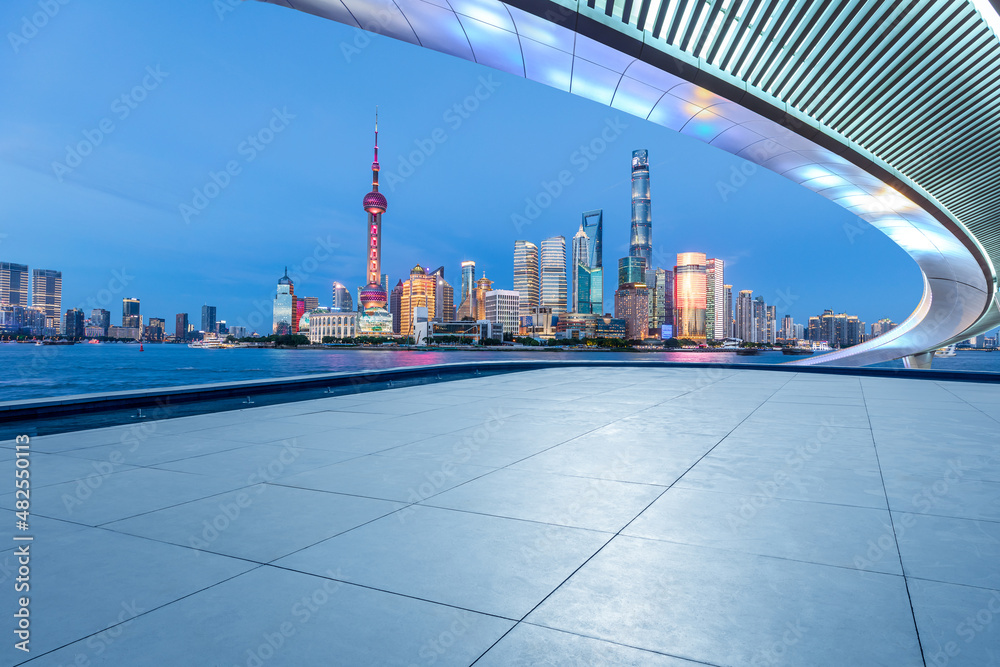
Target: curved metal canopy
(890,108)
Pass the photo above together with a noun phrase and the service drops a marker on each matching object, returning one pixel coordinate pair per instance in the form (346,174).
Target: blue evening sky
(198,84)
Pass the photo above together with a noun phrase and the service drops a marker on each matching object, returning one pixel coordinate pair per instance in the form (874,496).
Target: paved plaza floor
(577,516)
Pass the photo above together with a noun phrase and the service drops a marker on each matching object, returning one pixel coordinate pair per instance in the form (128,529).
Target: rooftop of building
(629,515)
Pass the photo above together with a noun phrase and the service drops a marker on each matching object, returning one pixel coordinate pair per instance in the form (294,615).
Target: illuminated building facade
(690,295)
(46,293)
(759,320)
(526,275)
(632,305)
(342,301)
(483,285)
(715,299)
(641,242)
(661,301)
(419,291)
(131,317)
(444,298)
(631,270)
(375,319)
(744,329)
(503,307)
(155,330)
(553,274)
(883,326)
(14,284)
(727,321)
(284,305)
(331,324)
(587,271)
(468,293)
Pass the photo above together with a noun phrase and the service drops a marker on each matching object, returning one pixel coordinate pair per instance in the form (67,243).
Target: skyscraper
(419,291)
(586,270)
(632,305)
(468,281)
(662,281)
(73,323)
(690,296)
(46,293)
(131,317)
(631,270)
(284,305)
(154,332)
(641,242)
(760,320)
(207,319)
(342,302)
(579,258)
(553,274)
(715,300)
(444,298)
(787,330)
(771,328)
(395,297)
(727,321)
(180,326)
(483,285)
(14,284)
(883,326)
(101,319)
(373,298)
(744,329)
(526,275)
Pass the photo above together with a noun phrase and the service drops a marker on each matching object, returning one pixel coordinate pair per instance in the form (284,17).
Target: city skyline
(305,181)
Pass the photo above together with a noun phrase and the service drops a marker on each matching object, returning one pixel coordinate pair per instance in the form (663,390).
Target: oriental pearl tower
(373,296)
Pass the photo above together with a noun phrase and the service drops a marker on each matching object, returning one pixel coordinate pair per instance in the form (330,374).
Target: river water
(31,371)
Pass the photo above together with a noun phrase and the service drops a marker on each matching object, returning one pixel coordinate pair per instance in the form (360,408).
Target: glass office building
(526,276)
(641,242)
(553,274)
(690,296)
(587,270)
(284,305)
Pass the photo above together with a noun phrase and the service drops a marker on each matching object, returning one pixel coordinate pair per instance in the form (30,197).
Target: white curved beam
(960,283)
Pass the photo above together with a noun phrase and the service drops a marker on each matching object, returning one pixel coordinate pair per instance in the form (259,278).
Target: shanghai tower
(641,242)
(373,295)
